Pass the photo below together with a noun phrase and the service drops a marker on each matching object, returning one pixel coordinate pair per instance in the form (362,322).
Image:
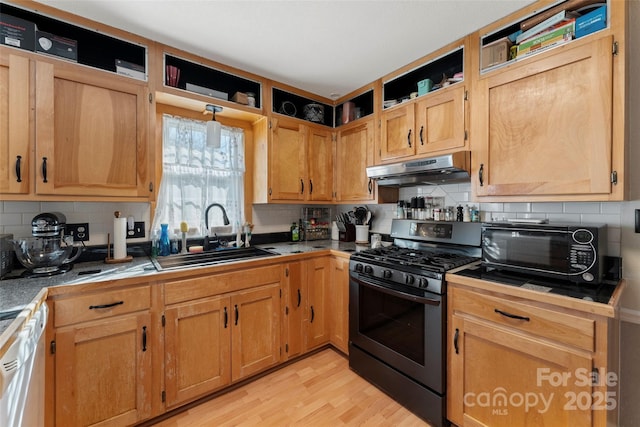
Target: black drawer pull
(237,314)
(313,314)
(511,316)
(299,297)
(226,317)
(455,340)
(144,338)
(96,307)
(44,169)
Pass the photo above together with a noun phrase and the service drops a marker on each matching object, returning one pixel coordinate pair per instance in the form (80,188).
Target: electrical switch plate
(79,231)
(137,232)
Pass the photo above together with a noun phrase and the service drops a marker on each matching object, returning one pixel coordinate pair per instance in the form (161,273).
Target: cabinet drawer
(557,326)
(99,306)
(193,288)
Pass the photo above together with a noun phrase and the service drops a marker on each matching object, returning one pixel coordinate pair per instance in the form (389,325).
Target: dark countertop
(16,292)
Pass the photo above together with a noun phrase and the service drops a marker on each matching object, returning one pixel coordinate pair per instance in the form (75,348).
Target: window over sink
(195,175)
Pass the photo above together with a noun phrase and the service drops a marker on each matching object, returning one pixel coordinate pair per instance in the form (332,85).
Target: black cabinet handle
(113,304)
(301,186)
(310,187)
(237,314)
(313,314)
(512,316)
(18,168)
(481,174)
(44,169)
(144,338)
(370,186)
(455,340)
(299,297)
(421,138)
(409,138)
(226,318)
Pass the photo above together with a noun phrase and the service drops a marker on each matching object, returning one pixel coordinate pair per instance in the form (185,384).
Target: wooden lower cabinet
(103,372)
(317,330)
(197,349)
(293,309)
(518,362)
(339,303)
(219,337)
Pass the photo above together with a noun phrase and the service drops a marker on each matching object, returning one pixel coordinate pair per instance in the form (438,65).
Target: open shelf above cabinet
(92,48)
(441,72)
(211,82)
(355,108)
(292,105)
(549,27)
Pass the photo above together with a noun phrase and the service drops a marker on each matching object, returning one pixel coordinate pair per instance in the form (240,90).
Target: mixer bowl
(44,254)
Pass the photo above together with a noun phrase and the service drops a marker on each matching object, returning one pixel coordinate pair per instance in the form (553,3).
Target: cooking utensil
(367,220)
(44,254)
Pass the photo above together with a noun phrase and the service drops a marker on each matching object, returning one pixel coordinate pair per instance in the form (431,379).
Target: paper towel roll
(119,238)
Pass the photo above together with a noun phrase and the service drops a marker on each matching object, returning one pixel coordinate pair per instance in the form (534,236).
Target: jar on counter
(251,99)
(436,214)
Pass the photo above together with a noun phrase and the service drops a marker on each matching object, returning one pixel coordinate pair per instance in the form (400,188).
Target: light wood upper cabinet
(440,121)
(15,123)
(539,132)
(320,164)
(354,152)
(91,133)
(397,135)
(293,161)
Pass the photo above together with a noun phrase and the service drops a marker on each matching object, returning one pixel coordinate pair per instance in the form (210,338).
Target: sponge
(184,227)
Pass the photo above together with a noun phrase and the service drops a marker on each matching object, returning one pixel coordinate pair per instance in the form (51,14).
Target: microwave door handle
(396,293)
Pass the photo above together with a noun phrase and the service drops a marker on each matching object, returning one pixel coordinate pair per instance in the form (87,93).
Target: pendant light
(214,128)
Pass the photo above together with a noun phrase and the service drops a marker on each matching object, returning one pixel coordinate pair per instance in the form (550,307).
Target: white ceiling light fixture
(214,128)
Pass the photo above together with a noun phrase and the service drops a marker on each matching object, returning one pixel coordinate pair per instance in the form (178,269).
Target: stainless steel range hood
(445,169)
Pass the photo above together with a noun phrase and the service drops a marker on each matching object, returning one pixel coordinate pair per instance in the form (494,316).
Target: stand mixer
(47,252)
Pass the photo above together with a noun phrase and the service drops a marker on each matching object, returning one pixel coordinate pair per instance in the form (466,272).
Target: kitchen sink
(173,262)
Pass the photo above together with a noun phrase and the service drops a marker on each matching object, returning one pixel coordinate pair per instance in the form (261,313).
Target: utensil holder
(362,234)
(349,235)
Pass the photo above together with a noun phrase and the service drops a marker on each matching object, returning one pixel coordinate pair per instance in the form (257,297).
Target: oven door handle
(396,293)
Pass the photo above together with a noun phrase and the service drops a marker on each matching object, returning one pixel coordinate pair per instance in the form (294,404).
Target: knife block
(349,235)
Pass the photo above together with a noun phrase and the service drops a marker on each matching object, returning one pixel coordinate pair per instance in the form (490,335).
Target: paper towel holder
(109,259)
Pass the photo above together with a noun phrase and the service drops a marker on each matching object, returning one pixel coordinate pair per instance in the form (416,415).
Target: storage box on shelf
(354,107)
(59,38)
(541,26)
(193,75)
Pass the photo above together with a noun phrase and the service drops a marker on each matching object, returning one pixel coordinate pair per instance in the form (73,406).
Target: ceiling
(326,47)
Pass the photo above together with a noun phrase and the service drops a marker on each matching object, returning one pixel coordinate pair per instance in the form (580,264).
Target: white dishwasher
(22,375)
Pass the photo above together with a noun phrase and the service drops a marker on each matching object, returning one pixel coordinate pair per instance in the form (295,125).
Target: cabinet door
(320,161)
(397,137)
(255,325)
(103,372)
(545,125)
(440,121)
(91,137)
(354,152)
(500,377)
(287,160)
(294,308)
(339,303)
(15,123)
(318,302)
(197,349)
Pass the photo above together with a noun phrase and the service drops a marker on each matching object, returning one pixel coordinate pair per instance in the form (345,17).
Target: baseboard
(629,315)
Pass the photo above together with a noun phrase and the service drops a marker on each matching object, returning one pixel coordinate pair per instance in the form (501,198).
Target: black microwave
(572,252)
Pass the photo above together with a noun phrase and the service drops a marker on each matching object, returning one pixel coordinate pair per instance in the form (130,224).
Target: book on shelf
(545,25)
(563,33)
(567,5)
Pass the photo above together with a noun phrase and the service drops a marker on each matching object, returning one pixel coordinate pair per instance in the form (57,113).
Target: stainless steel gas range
(397,311)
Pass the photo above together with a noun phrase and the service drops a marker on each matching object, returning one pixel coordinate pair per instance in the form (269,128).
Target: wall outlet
(137,232)
(79,231)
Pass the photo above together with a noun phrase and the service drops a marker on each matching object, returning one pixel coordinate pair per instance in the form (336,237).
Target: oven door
(401,326)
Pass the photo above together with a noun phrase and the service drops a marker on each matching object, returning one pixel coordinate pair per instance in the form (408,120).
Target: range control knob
(410,280)
(423,283)
(368,269)
(387,274)
(358,268)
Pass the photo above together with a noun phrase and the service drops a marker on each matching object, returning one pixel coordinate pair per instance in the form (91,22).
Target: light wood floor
(319,390)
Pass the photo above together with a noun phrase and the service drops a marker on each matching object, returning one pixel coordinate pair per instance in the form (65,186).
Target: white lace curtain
(195,176)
